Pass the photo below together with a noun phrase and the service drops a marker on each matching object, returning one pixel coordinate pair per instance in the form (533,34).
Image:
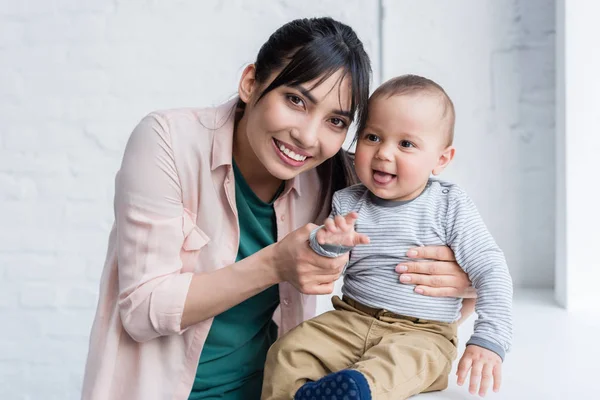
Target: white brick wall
(496,60)
(76,76)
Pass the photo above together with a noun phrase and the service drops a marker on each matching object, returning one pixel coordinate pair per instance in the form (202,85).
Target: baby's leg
(329,342)
(404,364)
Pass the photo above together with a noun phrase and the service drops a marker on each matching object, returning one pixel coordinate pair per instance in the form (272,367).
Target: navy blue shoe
(347,384)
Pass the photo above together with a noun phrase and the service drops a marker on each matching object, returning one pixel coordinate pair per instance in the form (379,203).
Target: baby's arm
(337,235)
(481,258)
(483,261)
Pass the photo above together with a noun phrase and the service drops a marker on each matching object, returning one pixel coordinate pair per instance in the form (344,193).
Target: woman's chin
(286,172)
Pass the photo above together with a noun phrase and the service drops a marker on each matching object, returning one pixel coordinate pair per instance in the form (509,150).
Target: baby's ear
(445,157)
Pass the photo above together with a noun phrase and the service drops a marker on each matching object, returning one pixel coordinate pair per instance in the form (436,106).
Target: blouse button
(286,302)
(282,218)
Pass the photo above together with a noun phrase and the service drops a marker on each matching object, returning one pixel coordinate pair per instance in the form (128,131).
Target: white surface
(578,114)
(496,61)
(554,357)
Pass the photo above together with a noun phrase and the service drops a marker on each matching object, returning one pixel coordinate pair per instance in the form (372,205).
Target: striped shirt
(442,214)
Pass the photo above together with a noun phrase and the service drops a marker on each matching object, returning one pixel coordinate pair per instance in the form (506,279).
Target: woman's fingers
(439,253)
(437,292)
(322,279)
(435,281)
(308,228)
(427,267)
(320,265)
(325,288)
(429,276)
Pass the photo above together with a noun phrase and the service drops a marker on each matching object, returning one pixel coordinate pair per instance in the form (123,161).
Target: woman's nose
(306,136)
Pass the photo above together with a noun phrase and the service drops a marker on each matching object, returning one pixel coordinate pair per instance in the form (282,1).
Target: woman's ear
(247,83)
(445,158)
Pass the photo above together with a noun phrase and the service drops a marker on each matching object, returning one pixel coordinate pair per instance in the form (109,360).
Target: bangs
(319,60)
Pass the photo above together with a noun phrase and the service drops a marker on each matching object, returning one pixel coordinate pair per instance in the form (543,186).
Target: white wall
(496,61)
(578,143)
(75,78)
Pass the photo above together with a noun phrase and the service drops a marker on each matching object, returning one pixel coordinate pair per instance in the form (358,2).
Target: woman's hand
(439,275)
(295,262)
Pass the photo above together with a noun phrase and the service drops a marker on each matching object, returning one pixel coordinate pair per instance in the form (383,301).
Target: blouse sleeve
(150,232)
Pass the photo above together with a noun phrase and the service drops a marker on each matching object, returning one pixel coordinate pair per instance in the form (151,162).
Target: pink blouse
(175,215)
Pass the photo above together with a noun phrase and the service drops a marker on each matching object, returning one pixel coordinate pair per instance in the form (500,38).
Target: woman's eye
(338,122)
(372,138)
(295,100)
(407,144)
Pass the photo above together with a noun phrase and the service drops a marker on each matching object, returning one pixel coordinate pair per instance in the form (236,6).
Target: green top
(232,360)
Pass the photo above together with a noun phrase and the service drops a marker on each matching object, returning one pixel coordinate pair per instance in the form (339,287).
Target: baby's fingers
(340,222)
(330,225)
(322,236)
(497,378)
(486,379)
(463,369)
(475,376)
(361,238)
(351,218)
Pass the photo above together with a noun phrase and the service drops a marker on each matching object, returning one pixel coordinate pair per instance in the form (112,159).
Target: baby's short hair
(415,84)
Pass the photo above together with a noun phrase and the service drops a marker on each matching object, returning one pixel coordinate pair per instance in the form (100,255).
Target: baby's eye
(406,143)
(372,138)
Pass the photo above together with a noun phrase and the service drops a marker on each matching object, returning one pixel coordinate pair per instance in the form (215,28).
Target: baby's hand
(340,231)
(484,364)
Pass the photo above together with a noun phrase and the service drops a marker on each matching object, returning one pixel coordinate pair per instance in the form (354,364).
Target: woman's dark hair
(310,48)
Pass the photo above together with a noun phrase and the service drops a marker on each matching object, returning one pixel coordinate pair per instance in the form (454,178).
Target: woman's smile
(290,155)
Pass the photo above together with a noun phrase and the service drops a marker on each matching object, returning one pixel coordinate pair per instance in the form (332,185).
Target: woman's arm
(215,292)
(290,260)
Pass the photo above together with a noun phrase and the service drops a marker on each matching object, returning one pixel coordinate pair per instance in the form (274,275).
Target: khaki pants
(399,356)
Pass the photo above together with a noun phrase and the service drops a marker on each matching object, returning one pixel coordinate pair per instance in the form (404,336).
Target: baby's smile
(382,178)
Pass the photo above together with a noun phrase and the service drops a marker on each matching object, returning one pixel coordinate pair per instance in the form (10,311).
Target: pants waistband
(378,312)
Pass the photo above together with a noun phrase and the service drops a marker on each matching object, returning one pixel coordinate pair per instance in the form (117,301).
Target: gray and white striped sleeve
(481,258)
(329,250)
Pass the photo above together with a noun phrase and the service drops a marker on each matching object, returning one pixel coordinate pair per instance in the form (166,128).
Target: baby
(384,340)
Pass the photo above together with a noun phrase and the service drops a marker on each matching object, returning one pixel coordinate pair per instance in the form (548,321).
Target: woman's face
(295,128)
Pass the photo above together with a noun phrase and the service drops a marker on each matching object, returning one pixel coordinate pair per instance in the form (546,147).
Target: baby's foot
(347,384)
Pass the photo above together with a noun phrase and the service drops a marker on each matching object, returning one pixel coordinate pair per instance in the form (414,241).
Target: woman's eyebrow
(306,93)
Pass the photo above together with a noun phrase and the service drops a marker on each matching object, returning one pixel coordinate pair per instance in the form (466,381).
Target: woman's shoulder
(189,141)
(194,126)
(190,134)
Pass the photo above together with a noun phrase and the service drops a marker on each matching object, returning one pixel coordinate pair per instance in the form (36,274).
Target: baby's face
(401,145)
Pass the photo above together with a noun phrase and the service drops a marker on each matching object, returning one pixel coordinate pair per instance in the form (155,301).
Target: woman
(213,208)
